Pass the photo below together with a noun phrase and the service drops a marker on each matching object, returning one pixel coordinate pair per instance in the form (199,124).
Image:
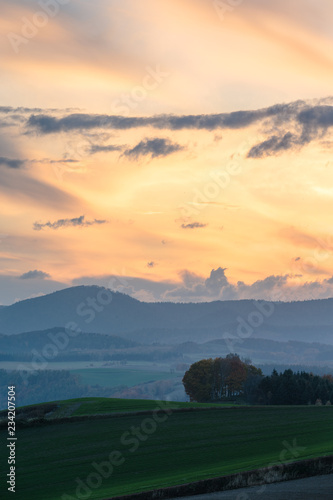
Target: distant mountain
(95,309)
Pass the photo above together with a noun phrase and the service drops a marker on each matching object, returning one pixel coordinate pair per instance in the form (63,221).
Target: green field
(187,446)
(112,377)
(102,406)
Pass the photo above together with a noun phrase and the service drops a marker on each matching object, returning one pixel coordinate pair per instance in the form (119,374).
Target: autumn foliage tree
(218,379)
(199,379)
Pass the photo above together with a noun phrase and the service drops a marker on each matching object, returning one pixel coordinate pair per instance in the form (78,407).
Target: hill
(182,445)
(93,308)
(25,342)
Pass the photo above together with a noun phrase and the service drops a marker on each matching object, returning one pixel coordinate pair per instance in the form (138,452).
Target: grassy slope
(186,447)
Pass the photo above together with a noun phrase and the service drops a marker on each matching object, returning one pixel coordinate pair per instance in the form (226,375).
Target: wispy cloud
(21,109)
(48,124)
(193,225)
(75,222)
(97,148)
(273,145)
(155,147)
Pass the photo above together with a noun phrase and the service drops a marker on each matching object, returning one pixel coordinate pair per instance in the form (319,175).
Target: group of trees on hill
(220,378)
(231,379)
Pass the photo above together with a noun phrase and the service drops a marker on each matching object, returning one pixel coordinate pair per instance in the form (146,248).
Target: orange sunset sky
(170,149)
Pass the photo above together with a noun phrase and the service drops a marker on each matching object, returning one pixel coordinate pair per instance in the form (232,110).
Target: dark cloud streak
(155,147)
(273,145)
(97,148)
(75,222)
(10,163)
(46,124)
(193,225)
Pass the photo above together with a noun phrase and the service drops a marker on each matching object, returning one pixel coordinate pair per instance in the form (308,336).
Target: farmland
(116,377)
(185,446)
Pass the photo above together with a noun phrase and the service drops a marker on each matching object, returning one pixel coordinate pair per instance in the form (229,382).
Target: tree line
(233,379)
(290,388)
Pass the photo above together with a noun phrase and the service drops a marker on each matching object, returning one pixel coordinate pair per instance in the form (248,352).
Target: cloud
(288,126)
(132,286)
(193,225)
(317,116)
(308,123)
(77,221)
(273,145)
(195,288)
(20,109)
(97,148)
(10,163)
(262,288)
(192,287)
(217,280)
(47,124)
(154,147)
(68,160)
(31,275)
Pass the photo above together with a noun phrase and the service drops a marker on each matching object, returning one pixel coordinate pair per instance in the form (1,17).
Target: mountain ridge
(98,309)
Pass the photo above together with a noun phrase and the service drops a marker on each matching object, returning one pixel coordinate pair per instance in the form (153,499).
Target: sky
(170,149)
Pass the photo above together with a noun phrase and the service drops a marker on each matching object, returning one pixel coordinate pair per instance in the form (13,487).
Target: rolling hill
(185,444)
(92,308)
